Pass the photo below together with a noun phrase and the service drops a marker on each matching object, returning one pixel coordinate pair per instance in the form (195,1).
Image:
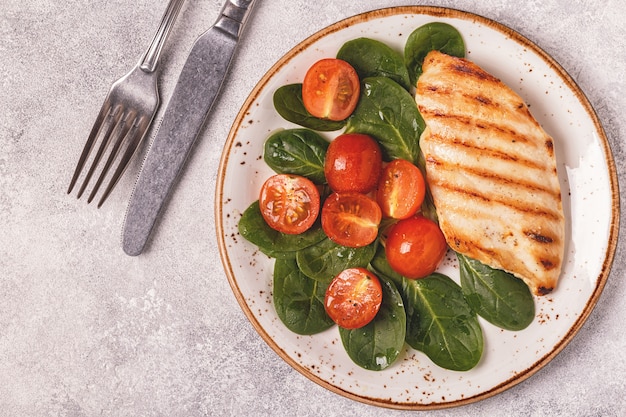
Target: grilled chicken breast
(492,172)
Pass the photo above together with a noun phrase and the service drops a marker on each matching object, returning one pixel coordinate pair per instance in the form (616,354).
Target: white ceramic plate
(590,198)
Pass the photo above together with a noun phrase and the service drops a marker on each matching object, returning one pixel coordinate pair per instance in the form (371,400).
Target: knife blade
(195,92)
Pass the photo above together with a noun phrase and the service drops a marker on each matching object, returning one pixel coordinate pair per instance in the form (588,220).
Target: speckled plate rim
(435,12)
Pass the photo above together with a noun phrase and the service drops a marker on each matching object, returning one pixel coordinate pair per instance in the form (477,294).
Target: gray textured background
(88,331)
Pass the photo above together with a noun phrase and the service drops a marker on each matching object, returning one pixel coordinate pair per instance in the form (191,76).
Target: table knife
(194,94)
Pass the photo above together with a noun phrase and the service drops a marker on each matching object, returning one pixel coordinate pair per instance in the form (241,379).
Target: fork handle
(151,57)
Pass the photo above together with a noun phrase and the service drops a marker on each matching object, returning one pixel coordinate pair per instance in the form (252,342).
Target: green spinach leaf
(271,242)
(324,260)
(288,103)
(377,345)
(380,265)
(298,300)
(497,296)
(297,151)
(372,58)
(441,324)
(388,112)
(437,36)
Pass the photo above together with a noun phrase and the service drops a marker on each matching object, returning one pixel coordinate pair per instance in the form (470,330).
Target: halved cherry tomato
(353,298)
(330,89)
(289,203)
(353,163)
(351,219)
(415,247)
(401,189)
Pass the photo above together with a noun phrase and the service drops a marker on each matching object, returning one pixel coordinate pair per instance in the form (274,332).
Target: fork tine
(136,134)
(129,120)
(91,141)
(112,126)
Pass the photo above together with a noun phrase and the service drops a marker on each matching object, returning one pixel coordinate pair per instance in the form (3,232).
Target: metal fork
(126,114)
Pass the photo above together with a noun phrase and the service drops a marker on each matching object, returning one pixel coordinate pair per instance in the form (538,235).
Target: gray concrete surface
(87,331)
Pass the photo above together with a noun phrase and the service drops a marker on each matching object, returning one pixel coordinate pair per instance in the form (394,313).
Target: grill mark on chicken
(483,151)
(472,121)
(541,290)
(462,67)
(510,183)
(549,147)
(483,100)
(464,101)
(538,237)
(464,245)
(473,194)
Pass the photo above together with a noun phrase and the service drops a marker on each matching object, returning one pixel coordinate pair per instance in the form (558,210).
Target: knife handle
(234,16)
